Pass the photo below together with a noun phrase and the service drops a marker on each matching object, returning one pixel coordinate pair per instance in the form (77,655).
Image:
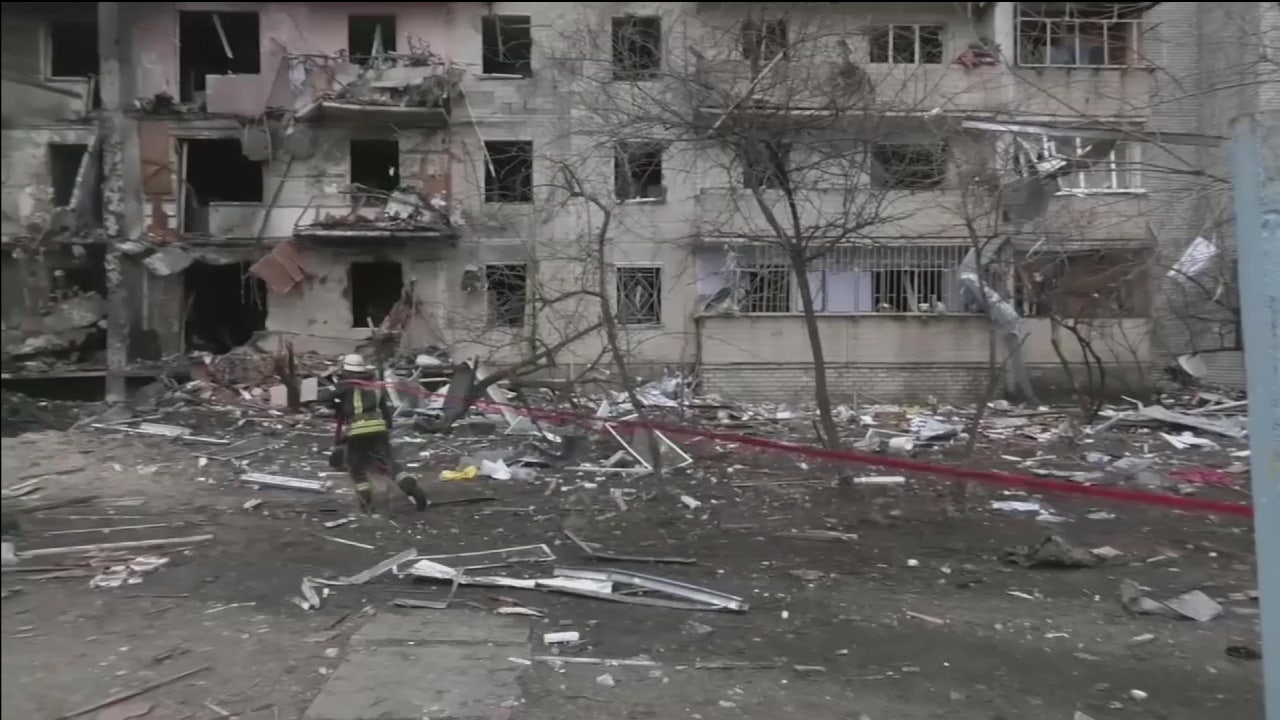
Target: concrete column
(1256,171)
(121,185)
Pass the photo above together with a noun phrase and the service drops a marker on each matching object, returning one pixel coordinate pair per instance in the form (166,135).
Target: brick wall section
(890,382)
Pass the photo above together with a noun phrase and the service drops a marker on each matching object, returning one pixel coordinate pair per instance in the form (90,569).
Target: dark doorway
(64,168)
(217,171)
(225,306)
(376,164)
(375,288)
(221,43)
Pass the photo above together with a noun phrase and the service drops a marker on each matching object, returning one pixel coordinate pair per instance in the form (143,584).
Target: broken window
(765,289)
(370,35)
(1094,284)
(639,295)
(375,288)
(1118,169)
(73,48)
(906,44)
(637,47)
(765,164)
(1078,34)
(375,164)
(507,293)
(215,43)
(226,305)
(507,45)
(64,168)
(637,170)
(910,167)
(508,172)
(217,171)
(762,40)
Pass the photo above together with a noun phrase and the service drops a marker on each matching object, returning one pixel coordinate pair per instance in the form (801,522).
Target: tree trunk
(826,421)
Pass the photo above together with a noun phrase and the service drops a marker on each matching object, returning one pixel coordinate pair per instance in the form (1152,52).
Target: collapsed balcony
(366,214)
(410,89)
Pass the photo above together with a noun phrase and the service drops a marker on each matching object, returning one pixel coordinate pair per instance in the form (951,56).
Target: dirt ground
(920,617)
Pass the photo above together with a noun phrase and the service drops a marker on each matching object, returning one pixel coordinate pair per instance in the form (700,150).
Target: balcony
(930,89)
(405,94)
(371,215)
(881,89)
(1077,92)
(924,215)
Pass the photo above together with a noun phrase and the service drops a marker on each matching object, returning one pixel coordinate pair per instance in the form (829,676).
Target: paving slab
(446,665)
(443,626)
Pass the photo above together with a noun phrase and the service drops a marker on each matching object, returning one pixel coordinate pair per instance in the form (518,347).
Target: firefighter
(364,428)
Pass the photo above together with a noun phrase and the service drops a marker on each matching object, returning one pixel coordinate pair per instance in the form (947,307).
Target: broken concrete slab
(439,681)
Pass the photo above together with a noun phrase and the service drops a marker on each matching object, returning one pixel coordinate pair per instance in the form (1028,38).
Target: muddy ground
(920,617)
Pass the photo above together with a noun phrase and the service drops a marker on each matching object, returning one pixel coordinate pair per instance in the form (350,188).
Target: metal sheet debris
(592,551)
(1163,414)
(161,430)
(287,483)
(674,588)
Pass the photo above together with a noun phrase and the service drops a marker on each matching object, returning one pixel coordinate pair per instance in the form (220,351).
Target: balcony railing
(372,214)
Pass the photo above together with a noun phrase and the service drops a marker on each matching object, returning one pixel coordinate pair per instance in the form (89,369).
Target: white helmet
(353,363)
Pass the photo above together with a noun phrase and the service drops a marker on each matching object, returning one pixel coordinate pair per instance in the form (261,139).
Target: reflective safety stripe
(364,423)
(363,486)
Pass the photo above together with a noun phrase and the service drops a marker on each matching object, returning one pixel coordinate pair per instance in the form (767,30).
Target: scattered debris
(880,480)
(926,618)
(1244,652)
(1053,551)
(1194,604)
(130,694)
(690,502)
(561,638)
(821,535)
(606,680)
(130,573)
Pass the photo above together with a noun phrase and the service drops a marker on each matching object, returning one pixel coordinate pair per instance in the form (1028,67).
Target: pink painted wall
(317,27)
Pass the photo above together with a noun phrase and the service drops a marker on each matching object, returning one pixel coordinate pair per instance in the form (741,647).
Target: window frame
(493,318)
(918,52)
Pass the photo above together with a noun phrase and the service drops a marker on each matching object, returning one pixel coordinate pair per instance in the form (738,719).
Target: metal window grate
(639,295)
(766,289)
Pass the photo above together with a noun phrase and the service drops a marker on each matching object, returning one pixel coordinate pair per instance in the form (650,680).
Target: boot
(364,493)
(409,486)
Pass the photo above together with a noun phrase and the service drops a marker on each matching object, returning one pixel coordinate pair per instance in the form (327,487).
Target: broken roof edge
(870,112)
(1093,129)
(307,232)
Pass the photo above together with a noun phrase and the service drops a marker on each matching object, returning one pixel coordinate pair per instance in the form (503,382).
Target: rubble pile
(72,331)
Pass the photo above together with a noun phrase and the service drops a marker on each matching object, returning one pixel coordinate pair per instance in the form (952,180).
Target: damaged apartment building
(328,173)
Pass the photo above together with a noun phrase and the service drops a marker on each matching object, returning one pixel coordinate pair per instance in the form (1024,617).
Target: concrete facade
(296,116)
